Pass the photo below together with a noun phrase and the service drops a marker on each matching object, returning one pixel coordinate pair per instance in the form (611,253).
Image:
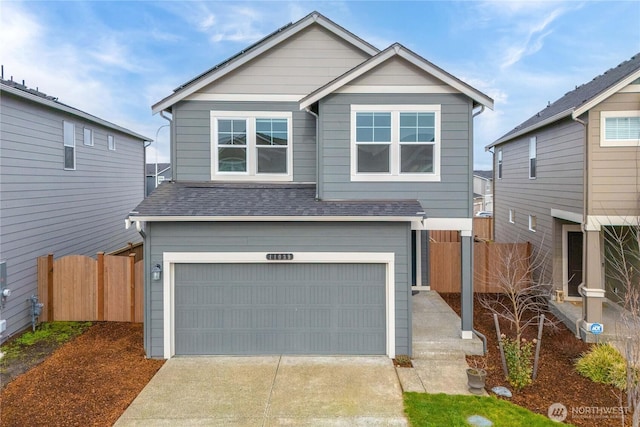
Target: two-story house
(307,170)
(482,192)
(67,180)
(568,176)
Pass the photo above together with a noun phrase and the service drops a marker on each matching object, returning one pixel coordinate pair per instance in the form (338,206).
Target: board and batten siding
(614,173)
(558,185)
(46,209)
(277,237)
(193,144)
(452,197)
(297,66)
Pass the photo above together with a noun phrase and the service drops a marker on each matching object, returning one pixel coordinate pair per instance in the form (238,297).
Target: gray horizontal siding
(46,209)
(193,137)
(451,197)
(278,237)
(558,185)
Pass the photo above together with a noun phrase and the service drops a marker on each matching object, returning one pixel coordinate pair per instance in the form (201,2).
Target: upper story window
(88,136)
(512,216)
(500,163)
(533,223)
(111,142)
(533,153)
(69,139)
(395,142)
(251,145)
(620,128)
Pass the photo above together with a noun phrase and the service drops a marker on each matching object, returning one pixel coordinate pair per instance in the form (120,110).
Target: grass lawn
(424,410)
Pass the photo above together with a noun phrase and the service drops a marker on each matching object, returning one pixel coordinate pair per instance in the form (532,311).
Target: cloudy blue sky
(114,59)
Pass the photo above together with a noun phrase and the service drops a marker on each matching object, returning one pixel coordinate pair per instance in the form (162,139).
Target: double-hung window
(251,145)
(69,139)
(111,142)
(88,136)
(395,142)
(533,153)
(620,128)
(500,163)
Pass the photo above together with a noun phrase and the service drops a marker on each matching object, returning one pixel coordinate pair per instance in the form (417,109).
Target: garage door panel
(280,308)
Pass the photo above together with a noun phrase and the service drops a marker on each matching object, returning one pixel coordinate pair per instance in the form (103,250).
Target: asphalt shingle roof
(581,94)
(207,199)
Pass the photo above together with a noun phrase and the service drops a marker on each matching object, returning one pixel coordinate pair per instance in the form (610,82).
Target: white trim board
(169,259)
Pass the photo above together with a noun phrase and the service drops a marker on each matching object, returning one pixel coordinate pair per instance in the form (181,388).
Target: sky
(114,59)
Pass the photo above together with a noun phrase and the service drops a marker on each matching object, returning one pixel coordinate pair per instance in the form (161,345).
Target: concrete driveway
(270,391)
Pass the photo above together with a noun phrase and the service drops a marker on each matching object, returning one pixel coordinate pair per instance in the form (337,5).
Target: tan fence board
(116,289)
(74,293)
(139,291)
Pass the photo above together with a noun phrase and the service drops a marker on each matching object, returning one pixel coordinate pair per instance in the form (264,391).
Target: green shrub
(519,360)
(604,364)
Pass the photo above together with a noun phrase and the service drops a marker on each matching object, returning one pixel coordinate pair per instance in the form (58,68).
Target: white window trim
(617,142)
(500,164)
(252,165)
(170,259)
(533,227)
(84,139)
(394,174)
(512,216)
(533,142)
(111,143)
(64,144)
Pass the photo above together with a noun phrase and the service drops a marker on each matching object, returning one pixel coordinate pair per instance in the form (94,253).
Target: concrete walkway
(270,391)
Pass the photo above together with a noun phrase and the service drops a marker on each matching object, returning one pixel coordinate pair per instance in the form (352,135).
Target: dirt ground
(557,380)
(88,381)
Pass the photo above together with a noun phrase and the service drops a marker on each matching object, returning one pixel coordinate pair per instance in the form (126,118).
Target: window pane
(69,134)
(224,125)
(408,134)
(426,135)
(426,119)
(69,160)
(232,132)
(622,128)
(232,159)
(271,132)
(416,159)
(373,127)
(408,120)
(373,158)
(111,143)
(88,136)
(417,127)
(532,168)
(272,160)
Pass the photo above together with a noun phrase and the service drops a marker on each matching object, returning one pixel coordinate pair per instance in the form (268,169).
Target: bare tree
(622,269)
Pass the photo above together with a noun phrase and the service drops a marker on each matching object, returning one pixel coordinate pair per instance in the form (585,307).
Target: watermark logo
(557,412)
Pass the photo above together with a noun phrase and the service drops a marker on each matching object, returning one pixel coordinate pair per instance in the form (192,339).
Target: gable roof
(251,52)
(397,49)
(579,100)
(211,201)
(38,97)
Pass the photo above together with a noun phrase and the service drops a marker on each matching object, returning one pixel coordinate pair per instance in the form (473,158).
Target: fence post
(132,285)
(100,290)
(50,288)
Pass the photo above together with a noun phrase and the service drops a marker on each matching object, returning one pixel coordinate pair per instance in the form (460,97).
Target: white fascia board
(243,59)
(531,128)
(412,219)
(386,54)
(462,224)
(566,215)
(595,222)
(244,97)
(70,110)
(606,94)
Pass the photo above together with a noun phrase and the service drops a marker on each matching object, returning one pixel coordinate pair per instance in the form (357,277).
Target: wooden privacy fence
(80,288)
(489,263)
(482,229)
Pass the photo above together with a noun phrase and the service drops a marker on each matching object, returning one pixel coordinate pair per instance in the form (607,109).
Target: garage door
(280,309)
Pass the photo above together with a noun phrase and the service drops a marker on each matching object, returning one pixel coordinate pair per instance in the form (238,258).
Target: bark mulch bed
(89,381)
(557,380)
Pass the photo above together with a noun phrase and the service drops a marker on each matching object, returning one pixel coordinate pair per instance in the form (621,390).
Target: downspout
(171,157)
(585,205)
(308,110)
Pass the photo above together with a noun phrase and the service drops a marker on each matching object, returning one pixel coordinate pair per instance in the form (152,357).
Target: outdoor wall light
(156,272)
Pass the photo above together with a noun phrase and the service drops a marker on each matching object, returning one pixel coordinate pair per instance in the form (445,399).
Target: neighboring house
(163,173)
(306,171)
(569,173)
(482,191)
(67,181)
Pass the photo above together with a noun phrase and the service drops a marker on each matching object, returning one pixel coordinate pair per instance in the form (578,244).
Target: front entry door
(574,262)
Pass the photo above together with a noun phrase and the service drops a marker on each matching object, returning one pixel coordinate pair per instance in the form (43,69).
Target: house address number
(279,257)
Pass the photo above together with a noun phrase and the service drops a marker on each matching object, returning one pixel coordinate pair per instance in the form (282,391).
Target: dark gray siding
(449,198)
(193,137)
(46,209)
(279,237)
(558,185)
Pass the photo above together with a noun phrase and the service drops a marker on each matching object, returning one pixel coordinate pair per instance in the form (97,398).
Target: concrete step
(444,346)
